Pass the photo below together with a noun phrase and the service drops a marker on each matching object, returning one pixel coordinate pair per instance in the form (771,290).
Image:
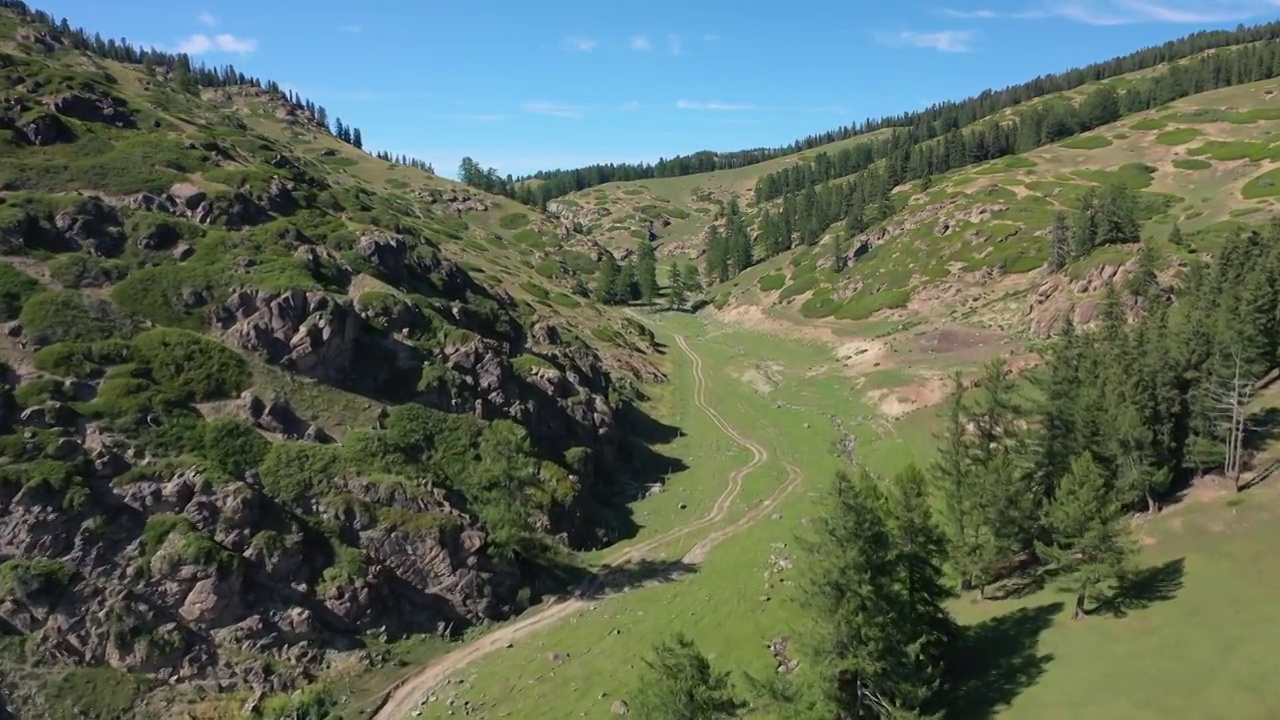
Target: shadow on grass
(1144,588)
(623,577)
(1000,658)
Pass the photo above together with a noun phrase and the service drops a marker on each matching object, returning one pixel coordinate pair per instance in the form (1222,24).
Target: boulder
(307,332)
(46,129)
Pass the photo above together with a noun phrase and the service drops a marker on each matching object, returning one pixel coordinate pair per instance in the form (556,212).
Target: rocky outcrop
(216,593)
(1058,297)
(100,109)
(307,332)
(45,129)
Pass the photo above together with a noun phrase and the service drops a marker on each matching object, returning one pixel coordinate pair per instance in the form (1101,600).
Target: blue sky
(523,86)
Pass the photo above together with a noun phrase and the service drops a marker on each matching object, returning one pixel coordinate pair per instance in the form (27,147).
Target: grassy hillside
(972,245)
(297,407)
(681,208)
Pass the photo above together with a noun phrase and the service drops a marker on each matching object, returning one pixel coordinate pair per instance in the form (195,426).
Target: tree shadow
(999,659)
(1022,584)
(638,468)
(1262,428)
(612,579)
(1144,588)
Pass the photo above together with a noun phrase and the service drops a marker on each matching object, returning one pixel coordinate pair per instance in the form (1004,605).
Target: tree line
(1037,479)
(919,152)
(188,76)
(933,122)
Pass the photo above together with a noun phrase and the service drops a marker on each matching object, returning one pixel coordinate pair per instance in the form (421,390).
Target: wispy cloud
(674,44)
(629,106)
(543,107)
(641,42)
(581,44)
(714,105)
(943,41)
(200,43)
(207,18)
(1105,13)
(352,29)
(970,14)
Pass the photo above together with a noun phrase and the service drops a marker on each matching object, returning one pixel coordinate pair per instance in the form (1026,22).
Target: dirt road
(408,695)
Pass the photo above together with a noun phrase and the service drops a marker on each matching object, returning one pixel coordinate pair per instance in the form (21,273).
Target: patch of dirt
(896,402)
(755,317)
(764,377)
(862,356)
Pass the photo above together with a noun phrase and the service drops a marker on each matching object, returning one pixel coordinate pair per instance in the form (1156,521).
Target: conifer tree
(679,683)
(607,280)
(1084,230)
(692,283)
(1091,544)
(1059,242)
(717,255)
(677,293)
(955,486)
(647,274)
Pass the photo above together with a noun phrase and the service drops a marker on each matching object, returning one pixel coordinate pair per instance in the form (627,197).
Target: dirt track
(407,696)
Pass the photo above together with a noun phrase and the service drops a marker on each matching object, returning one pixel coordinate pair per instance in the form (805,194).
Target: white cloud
(674,44)
(942,41)
(207,18)
(225,42)
(1104,13)
(353,29)
(729,107)
(640,42)
(582,44)
(970,14)
(542,107)
(629,106)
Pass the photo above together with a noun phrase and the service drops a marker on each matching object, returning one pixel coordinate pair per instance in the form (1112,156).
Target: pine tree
(1059,242)
(920,553)
(1084,230)
(837,252)
(955,486)
(607,280)
(677,294)
(647,274)
(1143,280)
(692,283)
(678,683)
(1175,236)
(1090,540)
(356,139)
(717,255)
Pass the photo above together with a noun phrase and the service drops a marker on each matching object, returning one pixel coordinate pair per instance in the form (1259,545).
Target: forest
(1035,482)
(936,121)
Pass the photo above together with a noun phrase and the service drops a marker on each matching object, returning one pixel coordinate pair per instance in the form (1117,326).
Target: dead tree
(1231,404)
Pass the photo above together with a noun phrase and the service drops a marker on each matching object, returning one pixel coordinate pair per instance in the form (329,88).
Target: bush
(513,221)
(233,447)
(772,281)
(16,287)
(292,470)
(78,360)
(21,577)
(81,270)
(56,316)
(191,366)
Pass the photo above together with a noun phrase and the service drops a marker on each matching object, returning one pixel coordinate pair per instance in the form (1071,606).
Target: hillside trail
(406,697)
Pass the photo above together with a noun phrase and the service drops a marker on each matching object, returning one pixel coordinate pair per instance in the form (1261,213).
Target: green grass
(1192,164)
(1086,142)
(1178,136)
(1149,124)
(1263,186)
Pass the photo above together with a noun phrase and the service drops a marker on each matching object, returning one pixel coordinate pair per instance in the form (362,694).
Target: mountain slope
(270,402)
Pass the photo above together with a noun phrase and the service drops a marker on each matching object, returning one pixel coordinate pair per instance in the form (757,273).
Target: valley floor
(757,437)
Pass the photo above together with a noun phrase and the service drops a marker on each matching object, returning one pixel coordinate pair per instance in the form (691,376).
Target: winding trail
(406,697)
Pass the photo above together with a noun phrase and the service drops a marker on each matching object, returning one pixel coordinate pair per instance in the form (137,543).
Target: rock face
(175,604)
(104,109)
(46,129)
(307,332)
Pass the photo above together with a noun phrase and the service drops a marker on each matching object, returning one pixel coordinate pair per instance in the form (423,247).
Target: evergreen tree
(1059,242)
(1091,544)
(679,683)
(647,274)
(870,636)
(920,552)
(678,292)
(717,255)
(356,139)
(1175,236)
(607,280)
(837,252)
(955,480)
(1084,231)
(692,283)
(1143,280)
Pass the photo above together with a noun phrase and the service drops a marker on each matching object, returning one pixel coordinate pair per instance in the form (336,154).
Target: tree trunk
(982,591)
(1153,507)
(1080,598)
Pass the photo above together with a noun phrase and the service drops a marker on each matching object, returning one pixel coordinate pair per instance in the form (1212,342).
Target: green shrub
(16,287)
(191,366)
(78,360)
(82,270)
(1178,136)
(38,392)
(1086,142)
(64,316)
(772,281)
(292,470)
(155,293)
(1192,164)
(21,577)
(1149,124)
(799,287)
(192,546)
(513,221)
(233,447)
